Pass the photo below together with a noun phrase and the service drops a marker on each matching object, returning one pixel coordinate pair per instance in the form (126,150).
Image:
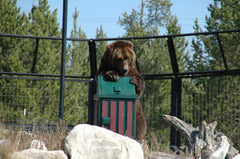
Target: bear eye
(119,59)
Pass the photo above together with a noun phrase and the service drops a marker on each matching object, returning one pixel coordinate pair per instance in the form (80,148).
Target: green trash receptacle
(115,106)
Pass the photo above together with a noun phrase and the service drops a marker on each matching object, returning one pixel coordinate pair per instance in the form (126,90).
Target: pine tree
(44,23)
(76,102)
(153,57)
(38,97)
(100,45)
(11,51)
(224,15)
(12,22)
(221,93)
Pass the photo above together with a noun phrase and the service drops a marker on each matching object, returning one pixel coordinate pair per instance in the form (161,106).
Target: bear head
(119,56)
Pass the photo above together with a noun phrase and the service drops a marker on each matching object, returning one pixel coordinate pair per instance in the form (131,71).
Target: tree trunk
(142,9)
(206,142)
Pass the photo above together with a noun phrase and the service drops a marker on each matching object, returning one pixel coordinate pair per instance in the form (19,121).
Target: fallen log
(206,142)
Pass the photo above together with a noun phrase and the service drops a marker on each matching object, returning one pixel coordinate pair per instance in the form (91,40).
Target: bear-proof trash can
(115,106)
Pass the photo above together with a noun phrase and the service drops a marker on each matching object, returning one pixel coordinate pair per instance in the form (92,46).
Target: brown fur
(119,60)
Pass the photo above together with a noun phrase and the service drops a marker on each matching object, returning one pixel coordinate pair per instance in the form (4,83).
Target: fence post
(35,56)
(92,84)
(222,52)
(91,93)
(176,95)
(63,59)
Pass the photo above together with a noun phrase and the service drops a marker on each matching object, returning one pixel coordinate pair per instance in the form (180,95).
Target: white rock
(237,157)
(37,144)
(222,149)
(93,142)
(38,154)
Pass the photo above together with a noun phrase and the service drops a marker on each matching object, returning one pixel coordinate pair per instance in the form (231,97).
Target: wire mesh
(213,99)
(37,101)
(156,102)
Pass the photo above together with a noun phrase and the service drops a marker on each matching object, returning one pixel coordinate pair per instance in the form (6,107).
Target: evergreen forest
(204,98)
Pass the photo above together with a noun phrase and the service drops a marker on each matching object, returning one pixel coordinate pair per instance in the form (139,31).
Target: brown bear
(119,60)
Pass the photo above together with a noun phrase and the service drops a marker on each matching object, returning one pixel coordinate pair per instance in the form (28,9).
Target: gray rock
(222,149)
(237,156)
(93,142)
(38,154)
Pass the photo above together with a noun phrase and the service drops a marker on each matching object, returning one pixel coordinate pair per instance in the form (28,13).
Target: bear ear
(110,47)
(130,44)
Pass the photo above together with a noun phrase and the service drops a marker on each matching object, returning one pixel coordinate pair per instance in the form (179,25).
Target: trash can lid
(119,89)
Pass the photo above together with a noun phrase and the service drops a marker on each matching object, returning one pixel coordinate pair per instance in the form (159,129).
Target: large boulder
(38,154)
(93,142)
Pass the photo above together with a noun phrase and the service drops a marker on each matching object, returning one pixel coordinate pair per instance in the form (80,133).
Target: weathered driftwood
(206,142)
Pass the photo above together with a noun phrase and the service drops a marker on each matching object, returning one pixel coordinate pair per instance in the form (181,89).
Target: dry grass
(155,144)
(17,139)
(158,148)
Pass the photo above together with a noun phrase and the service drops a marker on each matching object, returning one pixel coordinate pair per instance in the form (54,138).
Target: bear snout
(125,70)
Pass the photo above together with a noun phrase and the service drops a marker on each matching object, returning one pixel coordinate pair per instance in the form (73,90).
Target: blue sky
(93,13)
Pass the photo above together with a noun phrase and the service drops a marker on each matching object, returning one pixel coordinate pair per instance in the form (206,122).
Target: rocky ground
(83,141)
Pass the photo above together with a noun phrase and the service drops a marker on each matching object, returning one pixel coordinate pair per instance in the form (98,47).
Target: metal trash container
(115,106)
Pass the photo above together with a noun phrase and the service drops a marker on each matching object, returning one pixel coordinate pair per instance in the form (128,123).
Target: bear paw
(111,76)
